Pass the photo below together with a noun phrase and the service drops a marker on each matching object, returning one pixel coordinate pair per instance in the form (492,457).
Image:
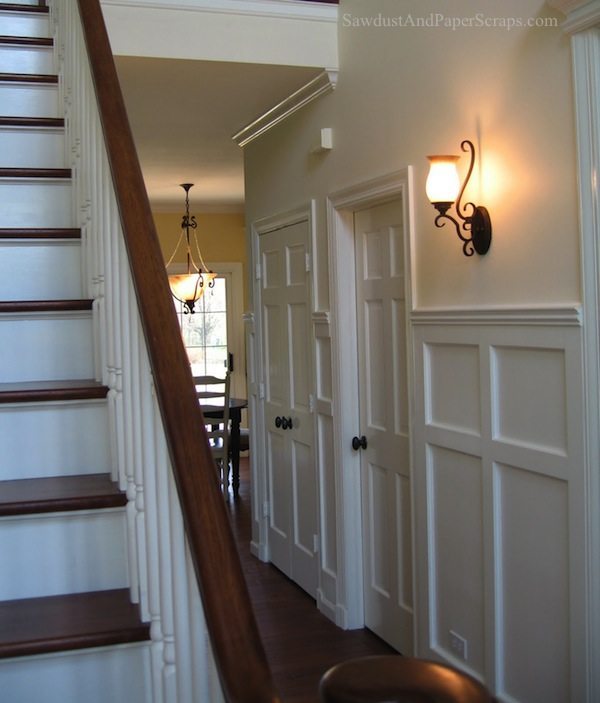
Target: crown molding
(257,8)
(568,315)
(580,14)
(320,85)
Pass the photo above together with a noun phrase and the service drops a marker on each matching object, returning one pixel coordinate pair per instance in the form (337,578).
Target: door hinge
(266,509)
(258,272)
(307,262)
(261,391)
(316,544)
(311,403)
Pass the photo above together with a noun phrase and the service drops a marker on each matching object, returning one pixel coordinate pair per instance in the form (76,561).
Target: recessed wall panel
(453,387)
(376,386)
(404,542)
(271,269)
(456,526)
(378,535)
(400,387)
(374,255)
(328,510)
(533,573)
(304,497)
(295,265)
(273,353)
(299,361)
(324,381)
(280,484)
(530,397)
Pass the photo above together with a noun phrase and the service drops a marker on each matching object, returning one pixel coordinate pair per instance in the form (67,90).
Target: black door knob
(278,422)
(290,424)
(359,443)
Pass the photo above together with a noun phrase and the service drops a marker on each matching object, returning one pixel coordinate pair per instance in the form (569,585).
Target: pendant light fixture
(188,288)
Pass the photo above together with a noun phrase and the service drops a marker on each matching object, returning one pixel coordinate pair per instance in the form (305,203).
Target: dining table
(215,412)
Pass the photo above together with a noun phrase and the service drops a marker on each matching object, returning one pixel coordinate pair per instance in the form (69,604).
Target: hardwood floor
(300,642)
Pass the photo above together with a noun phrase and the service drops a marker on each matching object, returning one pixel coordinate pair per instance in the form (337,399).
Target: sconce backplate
(481,230)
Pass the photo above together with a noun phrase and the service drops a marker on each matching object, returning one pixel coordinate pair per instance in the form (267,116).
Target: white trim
(586,70)
(567,315)
(341,206)
(581,14)
(256,8)
(258,463)
(320,85)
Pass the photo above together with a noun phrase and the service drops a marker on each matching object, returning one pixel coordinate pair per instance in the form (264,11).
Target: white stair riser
(45,347)
(32,148)
(120,674)
(24,24)
(26,59)
(40,270)
(54,439)
(35,203)
(58,553)
(29,100)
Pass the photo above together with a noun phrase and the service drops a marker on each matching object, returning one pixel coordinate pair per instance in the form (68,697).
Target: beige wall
(221,237)
(404,93)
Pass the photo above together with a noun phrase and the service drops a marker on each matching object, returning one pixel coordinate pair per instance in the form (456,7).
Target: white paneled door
(381,319)
(291,470)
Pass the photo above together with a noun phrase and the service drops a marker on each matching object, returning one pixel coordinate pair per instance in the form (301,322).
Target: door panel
(285,300)
(384,421)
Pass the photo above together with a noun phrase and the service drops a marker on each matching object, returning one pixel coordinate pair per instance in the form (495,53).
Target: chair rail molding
(567,315)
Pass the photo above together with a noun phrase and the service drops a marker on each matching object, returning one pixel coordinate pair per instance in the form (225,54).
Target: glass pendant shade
(188,288)
(443,184)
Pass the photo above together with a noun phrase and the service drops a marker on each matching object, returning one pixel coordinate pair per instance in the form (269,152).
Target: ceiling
(183,114)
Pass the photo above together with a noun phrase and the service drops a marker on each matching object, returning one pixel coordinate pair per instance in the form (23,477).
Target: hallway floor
(300,642)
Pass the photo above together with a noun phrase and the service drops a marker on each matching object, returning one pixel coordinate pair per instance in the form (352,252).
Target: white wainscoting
(499,498)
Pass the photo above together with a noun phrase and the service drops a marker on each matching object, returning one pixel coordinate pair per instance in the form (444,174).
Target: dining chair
(213,393)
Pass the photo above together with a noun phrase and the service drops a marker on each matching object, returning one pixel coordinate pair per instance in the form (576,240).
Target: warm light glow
(443,183)
(186,287)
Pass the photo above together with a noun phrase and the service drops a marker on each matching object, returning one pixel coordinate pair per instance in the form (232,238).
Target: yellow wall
(221,237)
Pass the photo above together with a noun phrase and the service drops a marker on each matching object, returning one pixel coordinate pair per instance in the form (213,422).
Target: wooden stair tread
(27,41)
(15,7)
(40,391)
(73,621)
(10,121)
(40,233)
(59,493)
(29,78)
(23,306)
(35,173)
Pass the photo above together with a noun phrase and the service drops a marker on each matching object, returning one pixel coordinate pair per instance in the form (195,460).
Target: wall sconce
(443,187)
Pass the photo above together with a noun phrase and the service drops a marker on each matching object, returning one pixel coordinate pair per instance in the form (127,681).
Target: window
(205,332)
(225,302)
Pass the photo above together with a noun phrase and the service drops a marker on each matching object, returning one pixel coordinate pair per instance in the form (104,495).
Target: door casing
(341,206)
(258,462)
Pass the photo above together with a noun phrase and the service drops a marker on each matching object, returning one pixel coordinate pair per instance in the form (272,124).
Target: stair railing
(181,545)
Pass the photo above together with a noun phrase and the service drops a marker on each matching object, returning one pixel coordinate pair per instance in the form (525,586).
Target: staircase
(69,631)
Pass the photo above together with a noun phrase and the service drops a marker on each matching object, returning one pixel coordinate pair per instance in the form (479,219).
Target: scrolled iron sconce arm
(475,230)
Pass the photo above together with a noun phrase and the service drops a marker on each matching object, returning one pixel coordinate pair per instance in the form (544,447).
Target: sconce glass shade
(443,184)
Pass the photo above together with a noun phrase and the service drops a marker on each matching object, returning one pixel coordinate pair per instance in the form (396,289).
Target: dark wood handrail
(236,643)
